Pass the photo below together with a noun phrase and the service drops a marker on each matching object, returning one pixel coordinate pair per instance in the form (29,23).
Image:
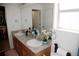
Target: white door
(36,19)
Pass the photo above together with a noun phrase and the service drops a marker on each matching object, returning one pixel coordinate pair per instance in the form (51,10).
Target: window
(69,16)
(69,20)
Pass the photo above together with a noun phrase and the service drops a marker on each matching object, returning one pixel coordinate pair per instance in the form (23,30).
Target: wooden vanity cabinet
(15,43)
(45,52)
(20,48)
(25,51)
(17,46)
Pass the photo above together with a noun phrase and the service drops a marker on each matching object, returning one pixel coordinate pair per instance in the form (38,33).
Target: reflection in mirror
(38,15)
(36,19)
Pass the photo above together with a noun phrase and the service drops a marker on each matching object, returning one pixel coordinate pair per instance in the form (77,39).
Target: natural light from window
(68,16)
(69,4)
(69,20)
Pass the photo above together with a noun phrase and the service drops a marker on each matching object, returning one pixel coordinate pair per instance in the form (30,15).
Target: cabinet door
(19,48)
(15,43)
(25,52)
(26,17)
(45,52)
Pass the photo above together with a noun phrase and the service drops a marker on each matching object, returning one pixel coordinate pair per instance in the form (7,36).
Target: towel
(61,52)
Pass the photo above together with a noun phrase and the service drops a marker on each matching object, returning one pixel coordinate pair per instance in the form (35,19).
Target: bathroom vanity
(23,49)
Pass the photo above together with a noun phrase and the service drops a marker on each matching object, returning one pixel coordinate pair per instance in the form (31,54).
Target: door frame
(40,16)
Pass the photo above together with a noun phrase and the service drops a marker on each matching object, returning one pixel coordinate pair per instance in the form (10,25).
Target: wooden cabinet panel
(27,52)
(45,52)
(15,43)
(19,49)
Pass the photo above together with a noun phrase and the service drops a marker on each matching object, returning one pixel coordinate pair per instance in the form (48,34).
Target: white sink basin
(34,43)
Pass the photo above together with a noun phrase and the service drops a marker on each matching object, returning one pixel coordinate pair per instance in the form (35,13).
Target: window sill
(68,30)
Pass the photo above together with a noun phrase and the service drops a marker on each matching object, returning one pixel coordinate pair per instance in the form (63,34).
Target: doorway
(36,19)
(4,42)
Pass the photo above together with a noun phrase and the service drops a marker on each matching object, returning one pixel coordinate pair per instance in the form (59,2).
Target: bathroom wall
(26,17)
(48,16)
(65,39)
(13,20)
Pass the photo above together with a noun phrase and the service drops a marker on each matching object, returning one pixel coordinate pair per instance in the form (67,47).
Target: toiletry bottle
(30,30)
(26,32)
(36,32)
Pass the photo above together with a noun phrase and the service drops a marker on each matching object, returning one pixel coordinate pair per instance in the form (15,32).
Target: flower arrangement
(45,36)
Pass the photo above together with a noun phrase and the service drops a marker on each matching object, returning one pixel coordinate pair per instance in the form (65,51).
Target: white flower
(44,35)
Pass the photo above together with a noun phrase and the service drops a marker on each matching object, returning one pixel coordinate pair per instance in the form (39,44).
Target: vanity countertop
(23,39)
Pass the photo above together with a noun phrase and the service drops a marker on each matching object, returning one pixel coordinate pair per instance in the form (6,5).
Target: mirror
(39,15)
(36,19)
